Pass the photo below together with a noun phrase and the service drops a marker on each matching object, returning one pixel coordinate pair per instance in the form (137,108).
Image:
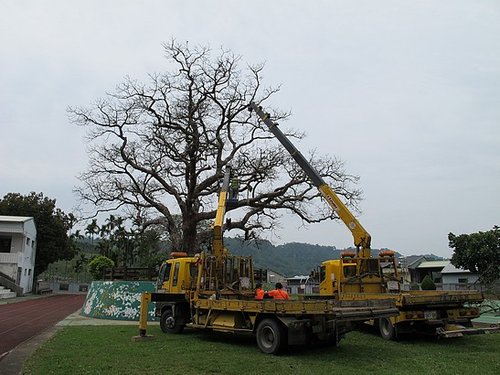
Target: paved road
(22,320)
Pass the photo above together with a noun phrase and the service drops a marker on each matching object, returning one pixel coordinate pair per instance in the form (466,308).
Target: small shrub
(98,264)
(427,283)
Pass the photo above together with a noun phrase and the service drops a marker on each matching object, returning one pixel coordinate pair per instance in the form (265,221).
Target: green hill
(289,259)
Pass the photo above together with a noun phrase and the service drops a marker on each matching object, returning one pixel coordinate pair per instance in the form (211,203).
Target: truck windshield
(193,270)
(350,270)
(164,272)
(322,273)
(373,266)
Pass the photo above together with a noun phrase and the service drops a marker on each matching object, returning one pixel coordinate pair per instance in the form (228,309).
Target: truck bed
(414,298)
(440,297)
(357,310)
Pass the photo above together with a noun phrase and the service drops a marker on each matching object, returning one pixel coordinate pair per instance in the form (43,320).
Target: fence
(130,273)
(64,271)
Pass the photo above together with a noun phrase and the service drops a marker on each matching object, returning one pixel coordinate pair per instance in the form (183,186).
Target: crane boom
(218,226)
(361,237)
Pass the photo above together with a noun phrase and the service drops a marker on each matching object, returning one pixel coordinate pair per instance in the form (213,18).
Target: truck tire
(168,323)
(271,337)
(387,330)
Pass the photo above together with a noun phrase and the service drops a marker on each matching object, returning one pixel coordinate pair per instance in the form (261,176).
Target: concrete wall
(453,278)
(117,300)
(64,287)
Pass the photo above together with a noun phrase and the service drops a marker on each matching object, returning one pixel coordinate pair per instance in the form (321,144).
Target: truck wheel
(168,323)
(387,330)
(271,337)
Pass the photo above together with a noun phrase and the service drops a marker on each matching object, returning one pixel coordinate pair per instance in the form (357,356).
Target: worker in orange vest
(259,292)
(278,293)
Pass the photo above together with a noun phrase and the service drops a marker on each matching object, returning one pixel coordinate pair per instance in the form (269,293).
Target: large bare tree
(162,147)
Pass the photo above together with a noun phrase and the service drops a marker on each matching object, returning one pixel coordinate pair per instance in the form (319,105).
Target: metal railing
(9,283)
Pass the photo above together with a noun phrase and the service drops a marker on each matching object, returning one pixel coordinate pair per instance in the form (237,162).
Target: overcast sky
(407,93)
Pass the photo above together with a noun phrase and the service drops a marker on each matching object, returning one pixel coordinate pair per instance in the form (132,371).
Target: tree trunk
(189,238)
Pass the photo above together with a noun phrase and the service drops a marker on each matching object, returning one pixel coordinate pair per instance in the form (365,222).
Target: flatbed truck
(214,291)
(443,313)
(359,276)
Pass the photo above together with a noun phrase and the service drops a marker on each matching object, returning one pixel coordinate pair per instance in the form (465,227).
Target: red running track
(21,321)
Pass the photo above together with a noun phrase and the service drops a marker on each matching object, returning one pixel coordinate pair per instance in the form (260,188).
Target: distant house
(458,279)
(443,273)
(432,268)
(274,277)
(17,251)
(301,285)
(409,266)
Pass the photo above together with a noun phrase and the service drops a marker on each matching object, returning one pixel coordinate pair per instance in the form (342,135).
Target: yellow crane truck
(360,276)
(214,291)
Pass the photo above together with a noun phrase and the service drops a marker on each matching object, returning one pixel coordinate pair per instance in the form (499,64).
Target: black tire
(387,330)
(168,323)
(271,337)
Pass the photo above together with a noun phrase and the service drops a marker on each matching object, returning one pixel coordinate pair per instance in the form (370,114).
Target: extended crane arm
(218,226)
(361,237)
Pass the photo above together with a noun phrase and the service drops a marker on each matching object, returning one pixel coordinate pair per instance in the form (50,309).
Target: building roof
(300,277)
(412,261)
(15,219)
(434,264)
(450,268)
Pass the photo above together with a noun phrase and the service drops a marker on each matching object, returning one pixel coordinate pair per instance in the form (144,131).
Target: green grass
(110,350)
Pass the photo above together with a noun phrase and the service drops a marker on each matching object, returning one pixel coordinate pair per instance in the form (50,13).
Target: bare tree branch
(162,147)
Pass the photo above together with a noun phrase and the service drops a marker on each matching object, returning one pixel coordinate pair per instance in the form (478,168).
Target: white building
(17,251)
(457,278)
(301,285)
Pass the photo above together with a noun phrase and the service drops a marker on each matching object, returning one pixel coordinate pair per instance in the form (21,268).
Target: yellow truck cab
(178,274)
(176,280)
(341,276)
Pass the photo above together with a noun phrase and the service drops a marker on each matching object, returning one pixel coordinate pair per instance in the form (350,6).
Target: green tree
(52,226)
(427,283)
(91,230)
(162,147)
(478,252)
(128,243)
(80,263)
(98,264)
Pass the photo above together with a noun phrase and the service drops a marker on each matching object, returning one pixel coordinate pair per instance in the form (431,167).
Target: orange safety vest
(278,294)
(259,293)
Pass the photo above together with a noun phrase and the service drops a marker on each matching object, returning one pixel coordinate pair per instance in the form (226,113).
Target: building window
(462,281)
(5,244)
(27,241)
(29,272)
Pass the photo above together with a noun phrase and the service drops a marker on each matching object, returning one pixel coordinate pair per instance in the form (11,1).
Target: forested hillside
(289,259)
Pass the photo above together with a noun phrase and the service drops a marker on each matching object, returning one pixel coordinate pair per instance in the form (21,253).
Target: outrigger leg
(143,319)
